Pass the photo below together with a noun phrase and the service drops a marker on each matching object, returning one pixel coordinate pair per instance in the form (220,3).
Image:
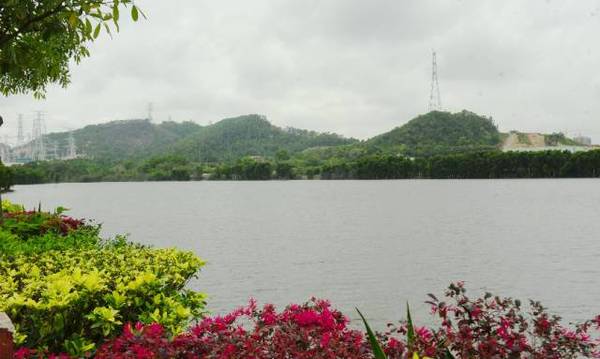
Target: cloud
(349,66)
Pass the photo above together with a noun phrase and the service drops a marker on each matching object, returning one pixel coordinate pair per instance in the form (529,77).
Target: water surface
(371,244)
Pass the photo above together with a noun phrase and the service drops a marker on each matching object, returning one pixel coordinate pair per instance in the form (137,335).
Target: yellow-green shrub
(71,299)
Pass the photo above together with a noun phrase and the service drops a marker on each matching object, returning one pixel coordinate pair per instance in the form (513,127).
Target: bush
(66,289)
(493,327)
(487,327)
(69,300)
(312,330)
(26,224)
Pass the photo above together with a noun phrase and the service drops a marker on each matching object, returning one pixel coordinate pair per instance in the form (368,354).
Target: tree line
(549,164)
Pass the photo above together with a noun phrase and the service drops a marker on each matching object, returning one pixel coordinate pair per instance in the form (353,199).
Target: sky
(354,67)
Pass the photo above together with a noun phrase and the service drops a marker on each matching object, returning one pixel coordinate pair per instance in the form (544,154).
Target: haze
(354,67)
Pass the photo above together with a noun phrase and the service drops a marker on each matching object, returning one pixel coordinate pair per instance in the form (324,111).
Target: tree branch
(24,28)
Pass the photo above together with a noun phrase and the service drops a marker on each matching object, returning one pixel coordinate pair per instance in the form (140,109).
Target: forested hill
(250,135)
(441,132)
(118,140)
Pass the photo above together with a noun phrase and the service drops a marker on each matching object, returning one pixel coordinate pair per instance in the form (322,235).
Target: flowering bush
(494,327)
(487,327)
(312,330)
(26,224)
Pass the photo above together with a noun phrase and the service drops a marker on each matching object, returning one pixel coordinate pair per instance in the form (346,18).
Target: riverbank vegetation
(439,145)
(378,165)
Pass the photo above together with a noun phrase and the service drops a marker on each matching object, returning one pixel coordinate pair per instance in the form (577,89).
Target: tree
(38,39)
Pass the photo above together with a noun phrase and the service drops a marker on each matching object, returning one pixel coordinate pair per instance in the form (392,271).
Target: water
(368,244)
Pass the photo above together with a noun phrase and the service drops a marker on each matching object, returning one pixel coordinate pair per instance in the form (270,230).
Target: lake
(368,244)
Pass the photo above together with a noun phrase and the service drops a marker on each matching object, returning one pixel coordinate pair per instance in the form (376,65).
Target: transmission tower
(38,152)
(435,101)
(20,137)
(72,150)
(150,110)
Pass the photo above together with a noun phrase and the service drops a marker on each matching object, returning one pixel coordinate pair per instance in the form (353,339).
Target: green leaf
(134,13)
(97,30)
(73,19)
(88,27)
(115,12)
(410,330)
(377,351)
(448,355)
(107,29)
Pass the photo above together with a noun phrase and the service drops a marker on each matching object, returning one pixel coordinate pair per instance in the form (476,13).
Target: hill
(228,139)
(118,140)
(440,132)
(250,135)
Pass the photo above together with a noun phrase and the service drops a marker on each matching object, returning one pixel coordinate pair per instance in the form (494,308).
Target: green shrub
(66,289)
(69,300)
(9,207)
(12,244)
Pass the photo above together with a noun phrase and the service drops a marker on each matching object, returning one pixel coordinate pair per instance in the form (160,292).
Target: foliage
(496,164)
(251,135)
(440,132)
(495,327)
(559,138)
(6,177)
(9,207)
(66,289)
(548,164)
(487,327)
(125,140)
(38,39)
(11,244)
(25,224)
(311,330)
(247,168)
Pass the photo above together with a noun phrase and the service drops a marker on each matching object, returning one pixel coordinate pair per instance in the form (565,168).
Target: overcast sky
(356,67)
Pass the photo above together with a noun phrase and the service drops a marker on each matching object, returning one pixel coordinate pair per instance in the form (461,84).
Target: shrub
(31,223)
(487,327)
(66,289)
(9,207)
(11,244)
(72,299)
(312,330)
(493,327)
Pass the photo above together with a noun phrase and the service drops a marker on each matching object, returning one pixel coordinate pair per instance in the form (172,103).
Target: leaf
(107,29)
(97,30)
(73,19)
(432,297)
(115,12)
(377,351)
(88,27)
(410,330)
(134,13)
(448,355)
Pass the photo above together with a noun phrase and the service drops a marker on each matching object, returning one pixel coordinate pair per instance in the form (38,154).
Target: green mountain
(250,135)
(228,139)
(441,132)
(119,140)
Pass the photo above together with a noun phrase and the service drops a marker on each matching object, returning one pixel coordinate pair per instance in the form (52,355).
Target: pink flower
(325,338)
